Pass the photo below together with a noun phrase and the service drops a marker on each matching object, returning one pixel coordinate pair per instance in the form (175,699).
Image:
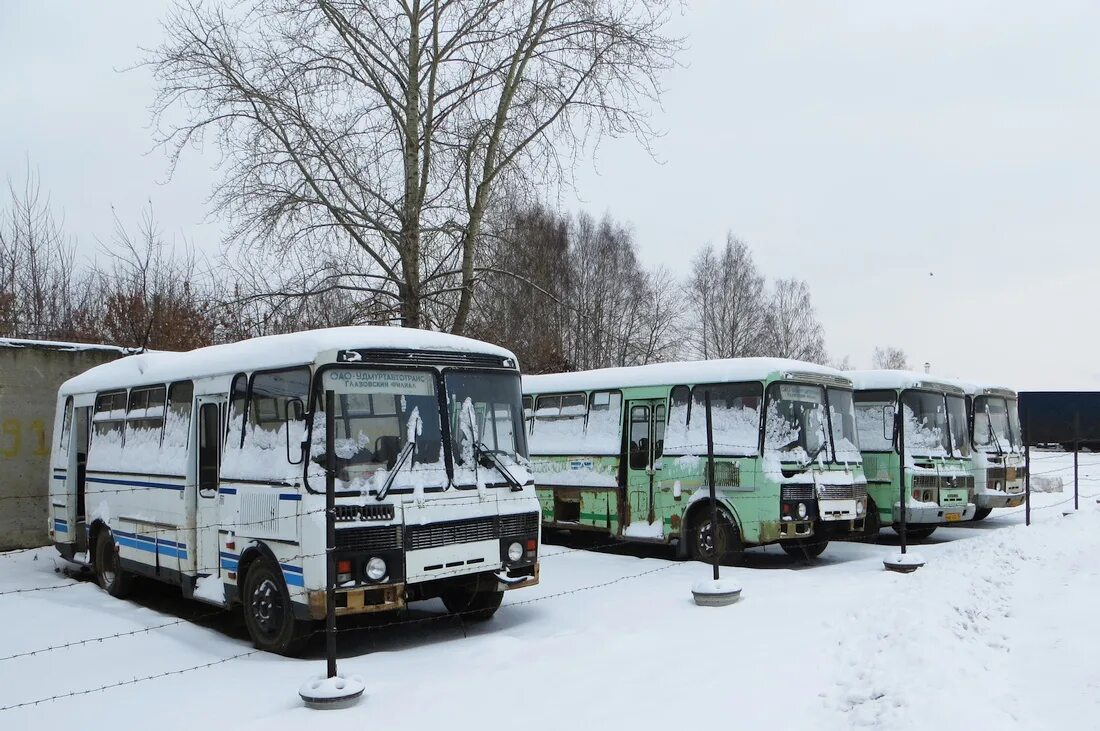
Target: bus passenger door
(208,455)
(645,429)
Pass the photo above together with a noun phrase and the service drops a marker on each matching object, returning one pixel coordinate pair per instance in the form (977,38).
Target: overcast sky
(931,169)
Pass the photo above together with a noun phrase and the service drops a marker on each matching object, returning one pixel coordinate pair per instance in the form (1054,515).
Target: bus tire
(729,546)
(872,523)
(981,514)
(470,603)
(268,614)
(805,548)
(917,534)
(108,570)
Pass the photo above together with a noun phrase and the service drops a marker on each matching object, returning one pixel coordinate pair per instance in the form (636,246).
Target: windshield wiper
(402,458)
(993,433)
(488,458)
(810,460)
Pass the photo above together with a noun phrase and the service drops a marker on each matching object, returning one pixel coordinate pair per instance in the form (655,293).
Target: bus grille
(946,483)
(520,524)
(796,492)
(842,492)
(368,539)
(346,513)
(435,535)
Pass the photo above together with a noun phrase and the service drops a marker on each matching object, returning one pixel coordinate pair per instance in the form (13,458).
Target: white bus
(206,469)
(998,456)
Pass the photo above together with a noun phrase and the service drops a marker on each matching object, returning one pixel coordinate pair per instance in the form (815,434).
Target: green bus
(939,481)
(997,459)
(622,451)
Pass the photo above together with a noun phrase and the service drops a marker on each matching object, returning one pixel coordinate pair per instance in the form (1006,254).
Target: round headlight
(376,569)
(859,507)
(997,486)
(515,552)
(802,513)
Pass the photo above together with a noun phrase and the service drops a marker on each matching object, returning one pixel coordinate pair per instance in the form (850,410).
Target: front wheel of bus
(108,570)
(471,604)
(981,514)
(916,534)
(268,614)
(806,548)
(726,541)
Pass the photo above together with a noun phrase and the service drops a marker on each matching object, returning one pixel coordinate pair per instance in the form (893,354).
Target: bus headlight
(376,569)
(802,512)
(859,507)
(515,552)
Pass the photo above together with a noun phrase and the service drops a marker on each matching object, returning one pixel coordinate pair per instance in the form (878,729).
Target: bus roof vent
(818,378)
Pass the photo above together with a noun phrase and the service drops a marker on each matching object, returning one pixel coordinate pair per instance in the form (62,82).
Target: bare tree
(842,364)
(148,294)
(388,126)
(791,329)
(728,302)
(890,358)
(36,263)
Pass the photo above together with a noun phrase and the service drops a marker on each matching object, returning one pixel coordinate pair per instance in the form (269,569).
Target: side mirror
(295,414)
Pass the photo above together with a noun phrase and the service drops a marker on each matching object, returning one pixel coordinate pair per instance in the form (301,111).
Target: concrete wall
(30,374)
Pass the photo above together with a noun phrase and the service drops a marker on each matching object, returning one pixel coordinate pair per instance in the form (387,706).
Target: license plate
(1015,503)
(952,517)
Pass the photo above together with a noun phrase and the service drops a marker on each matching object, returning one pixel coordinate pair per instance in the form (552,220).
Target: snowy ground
(997,631)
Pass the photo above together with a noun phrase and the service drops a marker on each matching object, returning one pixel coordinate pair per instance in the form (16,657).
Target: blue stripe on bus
(59,477)
(227,490)
(290,496)
(141,543)
(291,574)
(136,483)
(60,525)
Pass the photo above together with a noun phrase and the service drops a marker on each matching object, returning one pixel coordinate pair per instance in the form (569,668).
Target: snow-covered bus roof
(60,345)
(894,379)
(973,388)
(272,351)
(727,370)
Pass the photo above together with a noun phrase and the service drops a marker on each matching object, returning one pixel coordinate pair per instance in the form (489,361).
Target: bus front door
(645,429)
(207,561)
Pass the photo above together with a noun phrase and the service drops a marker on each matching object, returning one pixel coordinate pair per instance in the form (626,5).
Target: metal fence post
(710,481)
(1027,467)
(902,492)
(330,526)
(1076,450)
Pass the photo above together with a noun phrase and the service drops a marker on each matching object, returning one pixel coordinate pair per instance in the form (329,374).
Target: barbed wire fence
(613,544)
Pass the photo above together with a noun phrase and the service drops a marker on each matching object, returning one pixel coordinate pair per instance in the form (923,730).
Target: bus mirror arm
(295,413)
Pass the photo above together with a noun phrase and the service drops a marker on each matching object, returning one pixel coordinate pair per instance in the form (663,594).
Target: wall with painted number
(30,374)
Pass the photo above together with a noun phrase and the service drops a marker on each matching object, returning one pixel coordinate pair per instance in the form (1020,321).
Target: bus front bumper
(391,597)
(999,498)
(934,514)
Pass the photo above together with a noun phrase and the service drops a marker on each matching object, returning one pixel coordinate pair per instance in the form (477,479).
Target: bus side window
(66,426)
(639,437)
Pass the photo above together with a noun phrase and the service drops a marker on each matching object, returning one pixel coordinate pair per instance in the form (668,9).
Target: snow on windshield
(795,423)
(926,424)
(993,430)
(843,420)
(379,412)
(735,419)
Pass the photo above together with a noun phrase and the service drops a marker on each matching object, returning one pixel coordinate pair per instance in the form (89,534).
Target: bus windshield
(485,417)
(378,414)
(926,431)
(993,425)
(795,425)
(956,417)
(842,416)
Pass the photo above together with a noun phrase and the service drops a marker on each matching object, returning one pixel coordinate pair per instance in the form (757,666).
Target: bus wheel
(981,514)
(472,603)
(872,523)
(108,570)
(917,534)
(806,548)
(726,541)
(268,614)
